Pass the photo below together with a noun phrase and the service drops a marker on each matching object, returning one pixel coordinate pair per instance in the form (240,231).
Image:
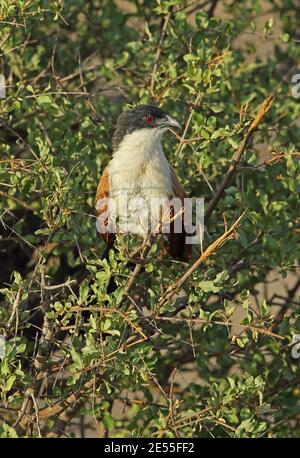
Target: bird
(138,178)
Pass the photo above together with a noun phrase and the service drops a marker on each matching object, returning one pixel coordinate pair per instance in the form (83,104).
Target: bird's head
(154,120)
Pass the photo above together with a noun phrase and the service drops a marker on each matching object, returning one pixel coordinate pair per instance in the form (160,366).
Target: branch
(173,289)
(212,8)
(45,344)
(283,385)
(237,156)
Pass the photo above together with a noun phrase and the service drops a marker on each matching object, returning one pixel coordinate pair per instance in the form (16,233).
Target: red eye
(149,119)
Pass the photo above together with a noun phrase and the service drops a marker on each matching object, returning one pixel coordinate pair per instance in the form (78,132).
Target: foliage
(218,361)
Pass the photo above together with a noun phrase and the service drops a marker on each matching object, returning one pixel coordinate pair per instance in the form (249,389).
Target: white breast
(140,176)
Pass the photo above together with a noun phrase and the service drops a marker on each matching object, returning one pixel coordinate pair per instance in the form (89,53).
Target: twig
(159,49)
(23,204)
(222,323)
(138,266)
(187,124)
(16,134)
(14,311)
(196,5)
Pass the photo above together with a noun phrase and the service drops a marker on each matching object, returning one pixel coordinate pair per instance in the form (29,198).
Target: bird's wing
(177,246)
(102,196)
(177,189)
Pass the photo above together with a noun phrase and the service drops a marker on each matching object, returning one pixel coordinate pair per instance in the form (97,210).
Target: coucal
(140,175)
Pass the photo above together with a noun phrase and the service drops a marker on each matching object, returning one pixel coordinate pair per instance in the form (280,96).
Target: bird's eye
(149,119)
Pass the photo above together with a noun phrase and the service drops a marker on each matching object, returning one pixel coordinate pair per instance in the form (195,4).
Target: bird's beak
(171,122)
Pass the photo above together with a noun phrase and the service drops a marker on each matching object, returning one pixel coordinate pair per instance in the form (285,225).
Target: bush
(216,362)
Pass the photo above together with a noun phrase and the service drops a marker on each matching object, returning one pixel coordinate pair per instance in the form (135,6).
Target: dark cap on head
(141,117)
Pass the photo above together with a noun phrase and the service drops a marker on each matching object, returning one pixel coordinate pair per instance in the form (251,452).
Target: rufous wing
(102,208)
(177,246)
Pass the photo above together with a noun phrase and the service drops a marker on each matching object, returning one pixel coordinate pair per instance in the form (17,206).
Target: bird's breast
(139,192)
(149,174)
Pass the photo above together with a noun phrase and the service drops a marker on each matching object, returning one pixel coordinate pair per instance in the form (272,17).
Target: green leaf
(209,286)
(9,382)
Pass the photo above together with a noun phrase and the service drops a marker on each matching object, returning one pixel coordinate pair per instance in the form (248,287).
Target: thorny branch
(237,156)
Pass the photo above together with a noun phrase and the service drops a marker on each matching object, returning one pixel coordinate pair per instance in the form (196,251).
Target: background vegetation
(217,361)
